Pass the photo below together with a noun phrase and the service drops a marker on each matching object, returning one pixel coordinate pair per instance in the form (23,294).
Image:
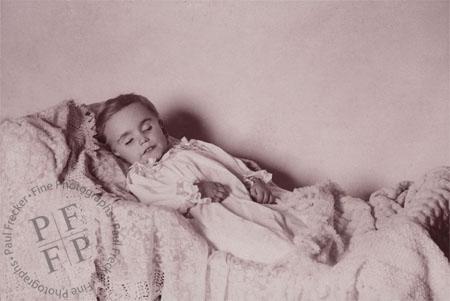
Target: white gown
(237,225)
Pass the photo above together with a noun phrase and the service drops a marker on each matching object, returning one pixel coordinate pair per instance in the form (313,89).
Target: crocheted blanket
(71,231)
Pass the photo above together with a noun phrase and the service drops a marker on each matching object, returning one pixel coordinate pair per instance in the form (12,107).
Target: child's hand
(217,192)
(261,193)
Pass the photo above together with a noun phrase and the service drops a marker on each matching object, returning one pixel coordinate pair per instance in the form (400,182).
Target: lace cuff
(262,175)
(190,193)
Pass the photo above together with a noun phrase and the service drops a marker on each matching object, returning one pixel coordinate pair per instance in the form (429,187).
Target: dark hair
(114,105)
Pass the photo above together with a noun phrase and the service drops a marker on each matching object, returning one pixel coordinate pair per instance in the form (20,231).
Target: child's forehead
(127,118)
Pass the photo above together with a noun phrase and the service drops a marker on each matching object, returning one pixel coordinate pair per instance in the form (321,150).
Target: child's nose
(143,139)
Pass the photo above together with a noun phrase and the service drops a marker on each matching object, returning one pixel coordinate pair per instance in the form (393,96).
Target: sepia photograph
(225,150)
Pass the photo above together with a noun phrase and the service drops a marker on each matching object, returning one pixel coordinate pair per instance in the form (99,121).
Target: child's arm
(257,182)
(178,194)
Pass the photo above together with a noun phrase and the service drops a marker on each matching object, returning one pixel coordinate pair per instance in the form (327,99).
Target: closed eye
(147,127)
(129,141)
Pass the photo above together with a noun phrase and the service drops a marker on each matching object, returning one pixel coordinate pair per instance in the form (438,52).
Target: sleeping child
(233,207)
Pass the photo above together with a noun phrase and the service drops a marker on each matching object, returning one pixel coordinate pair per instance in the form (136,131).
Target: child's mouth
(149,149)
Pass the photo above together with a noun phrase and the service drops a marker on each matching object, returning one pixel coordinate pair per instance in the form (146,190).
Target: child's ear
(116,153)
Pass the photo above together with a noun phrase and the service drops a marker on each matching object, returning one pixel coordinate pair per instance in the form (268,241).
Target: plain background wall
(357,92)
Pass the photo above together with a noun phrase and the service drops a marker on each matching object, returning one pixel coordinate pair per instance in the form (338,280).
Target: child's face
(135,134)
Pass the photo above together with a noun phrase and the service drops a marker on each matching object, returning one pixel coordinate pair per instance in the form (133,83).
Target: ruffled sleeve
(163,189)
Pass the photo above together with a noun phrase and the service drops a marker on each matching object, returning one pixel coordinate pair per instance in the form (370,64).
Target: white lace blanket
(65,237)
(91,239)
